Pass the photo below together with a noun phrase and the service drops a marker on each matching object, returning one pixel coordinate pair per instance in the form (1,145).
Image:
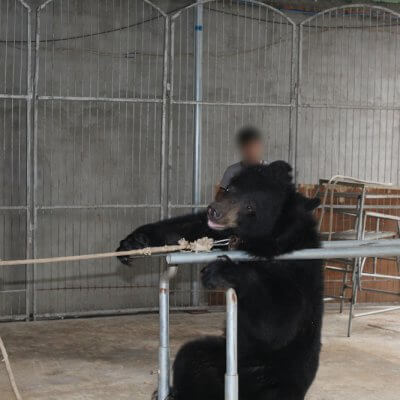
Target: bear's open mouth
(215,226)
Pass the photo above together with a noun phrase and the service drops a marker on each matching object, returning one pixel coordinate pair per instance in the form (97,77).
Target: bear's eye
(249,208)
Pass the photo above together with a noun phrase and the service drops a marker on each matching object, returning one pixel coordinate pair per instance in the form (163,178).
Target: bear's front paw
(218,274)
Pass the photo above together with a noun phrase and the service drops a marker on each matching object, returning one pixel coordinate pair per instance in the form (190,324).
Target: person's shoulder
(234,167)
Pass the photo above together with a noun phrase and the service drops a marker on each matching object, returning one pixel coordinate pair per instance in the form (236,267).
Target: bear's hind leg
(199,370)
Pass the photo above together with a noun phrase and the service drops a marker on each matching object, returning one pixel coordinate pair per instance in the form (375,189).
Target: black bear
(280,303)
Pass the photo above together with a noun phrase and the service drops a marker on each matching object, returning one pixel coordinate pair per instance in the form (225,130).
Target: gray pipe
(231,375)
(198,84)
(163,351)
(387,248)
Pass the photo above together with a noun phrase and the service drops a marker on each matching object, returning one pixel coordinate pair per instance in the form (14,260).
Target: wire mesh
(100,97)
(247,78)
(123,134)
(348,97)
(15,102)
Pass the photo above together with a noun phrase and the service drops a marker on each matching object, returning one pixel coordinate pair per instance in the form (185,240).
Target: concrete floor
(116,357)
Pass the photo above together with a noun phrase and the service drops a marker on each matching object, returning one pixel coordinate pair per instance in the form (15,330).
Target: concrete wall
(99,160)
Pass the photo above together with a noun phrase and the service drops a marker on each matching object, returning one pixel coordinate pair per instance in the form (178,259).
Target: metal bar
(102,99)
(329,10)
(198,131)
(356,277)
(230,103)
(381,276)
(382,216)
(12,291)
(299,78)
(12,317)
(7,208)
(349,106)
(306,254)
(164,124)
(96,206)
(231,375)
(123,311)
(34,162)
(163,352)
(15,96)
(360,243)
(388,292)
(376,312)
(293,110)
(29,176)
(198,72)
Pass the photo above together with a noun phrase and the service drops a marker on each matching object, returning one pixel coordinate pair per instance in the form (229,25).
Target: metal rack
(361,214)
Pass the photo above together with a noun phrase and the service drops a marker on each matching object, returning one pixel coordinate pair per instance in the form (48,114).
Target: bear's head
(264,210)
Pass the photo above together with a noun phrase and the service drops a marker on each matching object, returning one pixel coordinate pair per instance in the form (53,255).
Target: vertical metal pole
(164,124)
(299,49)
(357,263)
(198,66)
(163,351)
(198,84)
(293,101)
(29,197)
(35,149)
(231,375)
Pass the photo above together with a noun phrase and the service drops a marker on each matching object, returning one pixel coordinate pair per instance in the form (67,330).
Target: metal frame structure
(203,72)
(111,99)
(337,249)
(280,48)
(164,374)
(360,214)
(337,94)
(27,209)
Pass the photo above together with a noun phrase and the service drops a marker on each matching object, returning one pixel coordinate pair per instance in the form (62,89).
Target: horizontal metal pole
(12,291)
(345,207)
(382,216)
(372,290)
(360,243)
(187,205)
(229,103)
(351,106)
(13,208)
(337,249)
(376,312)
(108,99)
(122,311)
(381,276)
(15,96)
(95,206)
(12,317)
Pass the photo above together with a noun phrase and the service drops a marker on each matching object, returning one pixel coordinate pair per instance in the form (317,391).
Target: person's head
(250,144)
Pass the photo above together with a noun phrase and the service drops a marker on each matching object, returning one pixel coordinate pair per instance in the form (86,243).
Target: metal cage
(124,114)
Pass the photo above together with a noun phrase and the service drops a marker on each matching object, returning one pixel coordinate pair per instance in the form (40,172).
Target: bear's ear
(281,171)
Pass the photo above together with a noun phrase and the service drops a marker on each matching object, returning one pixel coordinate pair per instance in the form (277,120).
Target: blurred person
(251,147)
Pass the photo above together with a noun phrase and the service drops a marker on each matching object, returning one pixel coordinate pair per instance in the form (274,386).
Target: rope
(9,371)
(202,244)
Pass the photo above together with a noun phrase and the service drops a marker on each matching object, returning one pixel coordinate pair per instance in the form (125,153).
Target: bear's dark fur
(279,302)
